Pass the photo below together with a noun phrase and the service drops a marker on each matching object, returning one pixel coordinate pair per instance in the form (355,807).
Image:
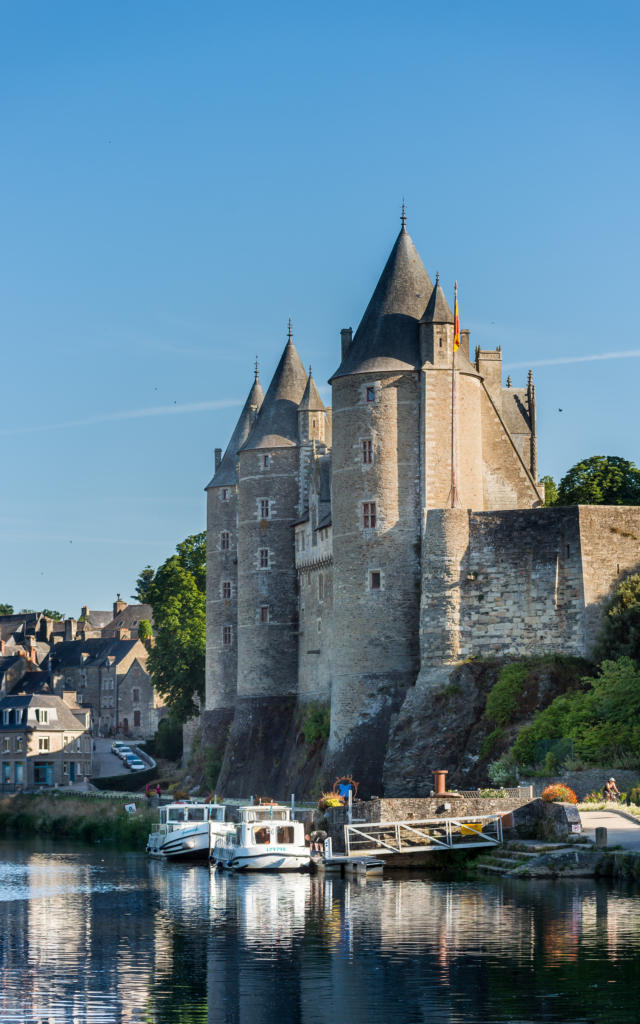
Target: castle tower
(268,506)
(376,515)
(314,432)
(222,570)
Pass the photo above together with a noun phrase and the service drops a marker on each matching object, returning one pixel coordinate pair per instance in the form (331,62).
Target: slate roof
(515,410)
(277,422)
(311,401)
(6,661)
(437,311)
(387,338)
(130,617)
(97,619)
(66,720)
(226,474)
(32,682)
(69,652)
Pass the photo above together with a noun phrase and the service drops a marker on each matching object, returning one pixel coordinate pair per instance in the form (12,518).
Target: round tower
(376,515)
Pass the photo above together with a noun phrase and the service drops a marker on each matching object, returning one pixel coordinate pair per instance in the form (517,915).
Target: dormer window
(42,715)
(371,393)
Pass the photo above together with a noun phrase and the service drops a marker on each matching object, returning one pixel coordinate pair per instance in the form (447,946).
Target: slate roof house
(44,741)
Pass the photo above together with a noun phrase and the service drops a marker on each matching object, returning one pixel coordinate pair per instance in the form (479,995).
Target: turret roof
(437,311)
(311,401)
(226,473)
(277,422)
(387,338)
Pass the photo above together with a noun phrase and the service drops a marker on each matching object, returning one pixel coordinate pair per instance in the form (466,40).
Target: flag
(456,324)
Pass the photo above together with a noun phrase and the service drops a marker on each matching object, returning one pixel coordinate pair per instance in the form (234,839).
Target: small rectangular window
(266,461)
(43,743)
(264,558)
(264,613)
(374,580)
(369,515)
(320,587)
(226,590)
(226,635)
(42,715)
(224,540)
(371,394)
(136,719)
(18,742)
(264,508)
(136,695)
(367,451)
(225,493)
(6,744)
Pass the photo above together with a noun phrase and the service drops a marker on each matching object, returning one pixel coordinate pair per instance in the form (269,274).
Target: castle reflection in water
(109,938)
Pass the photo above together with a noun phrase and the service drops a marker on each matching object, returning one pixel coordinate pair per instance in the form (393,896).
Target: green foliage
(143,582)
(89,819)
(168,739)
(603,718)
(502,772)
(634,795)
(145,632)
(212,766)
(6,609)
(177,595)
(550,490)
(27,611)
(50,613)
(503,699)
(491,741)
(316,724)
(600,480)
(620,634)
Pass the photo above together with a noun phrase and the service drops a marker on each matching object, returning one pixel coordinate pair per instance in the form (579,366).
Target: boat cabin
(177,814)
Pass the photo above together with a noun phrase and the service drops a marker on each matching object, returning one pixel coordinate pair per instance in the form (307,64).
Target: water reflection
(88,937)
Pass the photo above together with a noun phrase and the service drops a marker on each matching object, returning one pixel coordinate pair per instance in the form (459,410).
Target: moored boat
(188,829)
(266,839)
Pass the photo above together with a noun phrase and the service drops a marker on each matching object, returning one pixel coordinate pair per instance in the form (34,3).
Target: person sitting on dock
(611,791)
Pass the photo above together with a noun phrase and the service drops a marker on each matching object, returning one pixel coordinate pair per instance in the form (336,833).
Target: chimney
(218,458)
(118,606)
(346,337)
(70,628)
(69,697)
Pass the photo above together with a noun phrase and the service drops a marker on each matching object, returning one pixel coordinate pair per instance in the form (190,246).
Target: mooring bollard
(601,838)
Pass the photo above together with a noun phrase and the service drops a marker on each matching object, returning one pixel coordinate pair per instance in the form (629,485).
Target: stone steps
(508,859)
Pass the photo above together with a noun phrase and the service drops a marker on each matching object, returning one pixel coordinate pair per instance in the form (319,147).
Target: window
(5,717)
(78,745)
(65,767)
(374,580)
(226,635)
(136,719)
(42,716)
(226,590)
(43,742)
(6,771)
(371,394)
(266,461)
(18,743)
(263,558)
(367,450)
(6,744)
(136,695)
(107,684)
(224,540)
(225,493)
(19,772)
(369,515)
(285,834)
(264,508)
(320,586)
(264,613)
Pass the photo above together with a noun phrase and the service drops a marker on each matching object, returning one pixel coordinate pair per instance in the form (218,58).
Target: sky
(178,179)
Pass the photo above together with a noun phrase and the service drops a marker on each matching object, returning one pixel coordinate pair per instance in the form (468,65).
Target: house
(44,741)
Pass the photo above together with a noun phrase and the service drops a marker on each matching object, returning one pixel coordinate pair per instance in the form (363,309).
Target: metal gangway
(384,838)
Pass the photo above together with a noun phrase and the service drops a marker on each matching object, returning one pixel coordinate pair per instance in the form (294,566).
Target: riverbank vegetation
(89,819)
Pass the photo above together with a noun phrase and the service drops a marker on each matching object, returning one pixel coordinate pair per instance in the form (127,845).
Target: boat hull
(182,844)
(248,859)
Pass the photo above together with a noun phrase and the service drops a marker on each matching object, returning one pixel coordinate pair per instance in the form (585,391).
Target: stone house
(140,707)
(45,740)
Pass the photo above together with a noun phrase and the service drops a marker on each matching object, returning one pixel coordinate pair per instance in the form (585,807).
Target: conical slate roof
(437,311)
(226,474)
(311,401)
(387,338)
(277,422)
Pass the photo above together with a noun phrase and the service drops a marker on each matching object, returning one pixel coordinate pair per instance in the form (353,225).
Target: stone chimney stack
(346,337)
(118,606)
(217,457)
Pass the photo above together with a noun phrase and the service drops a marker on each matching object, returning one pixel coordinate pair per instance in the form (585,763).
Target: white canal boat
(188,830)
(266,839)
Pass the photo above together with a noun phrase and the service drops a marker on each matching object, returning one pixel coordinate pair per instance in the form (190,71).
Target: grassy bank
(88,819)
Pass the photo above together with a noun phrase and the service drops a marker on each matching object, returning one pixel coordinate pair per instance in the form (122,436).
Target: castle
(346,571)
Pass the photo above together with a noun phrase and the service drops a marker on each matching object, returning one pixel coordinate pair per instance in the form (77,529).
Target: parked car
(116,746)
(137,765)
(124,752)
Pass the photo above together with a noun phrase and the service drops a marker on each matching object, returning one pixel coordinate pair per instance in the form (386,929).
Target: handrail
(426,834)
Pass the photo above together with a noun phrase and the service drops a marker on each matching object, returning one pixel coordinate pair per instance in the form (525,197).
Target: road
(620,831)
(106,763)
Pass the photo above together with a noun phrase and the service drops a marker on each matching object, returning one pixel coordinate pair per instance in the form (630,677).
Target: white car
(137,765)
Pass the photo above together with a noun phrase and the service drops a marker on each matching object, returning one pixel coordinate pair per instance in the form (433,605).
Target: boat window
(285,834)
(175,814)
(196,814)
(262,835)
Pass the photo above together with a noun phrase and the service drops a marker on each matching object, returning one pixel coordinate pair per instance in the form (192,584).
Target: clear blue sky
(180,178)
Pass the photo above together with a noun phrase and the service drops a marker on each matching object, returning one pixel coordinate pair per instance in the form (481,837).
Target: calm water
(90,936)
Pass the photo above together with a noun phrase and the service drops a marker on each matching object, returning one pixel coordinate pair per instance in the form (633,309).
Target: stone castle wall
(221,658)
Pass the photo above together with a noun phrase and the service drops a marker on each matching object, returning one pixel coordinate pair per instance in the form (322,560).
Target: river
(92,935)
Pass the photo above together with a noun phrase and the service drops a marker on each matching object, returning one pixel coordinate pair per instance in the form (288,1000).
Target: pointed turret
(312,415)
(277,422)
(226,473)
(437,311)
(387,338)
(311,401)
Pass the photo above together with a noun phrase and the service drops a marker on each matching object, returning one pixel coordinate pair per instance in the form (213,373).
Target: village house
(44,741)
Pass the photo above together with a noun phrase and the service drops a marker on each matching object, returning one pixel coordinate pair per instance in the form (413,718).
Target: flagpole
(454,496)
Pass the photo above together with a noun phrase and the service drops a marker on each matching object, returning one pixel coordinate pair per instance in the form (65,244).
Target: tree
(49,613)
(143,583)
(550,490)
(620,633)
(6,609)
(177,595)
(145,632)
(600,480)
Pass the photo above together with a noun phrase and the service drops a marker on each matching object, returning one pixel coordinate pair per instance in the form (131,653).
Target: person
(611,791)
(158,790)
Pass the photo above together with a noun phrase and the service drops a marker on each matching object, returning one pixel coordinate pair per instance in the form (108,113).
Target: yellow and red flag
(456,323)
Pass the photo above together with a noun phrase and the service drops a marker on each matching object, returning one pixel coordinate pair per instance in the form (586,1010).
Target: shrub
(502,772)
(634,795)
(503,700)
(168,739)
(560,793)
(330,800)
(316,724)
(490,742)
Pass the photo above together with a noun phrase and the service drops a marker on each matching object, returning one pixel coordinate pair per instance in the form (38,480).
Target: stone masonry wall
(610,542)
(222,610)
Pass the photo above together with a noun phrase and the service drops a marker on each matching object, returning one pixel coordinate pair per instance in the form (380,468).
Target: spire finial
(256,370)
(403,215)
(508,382)
(310,370)
(530,378)
(437,278)
(290,330)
